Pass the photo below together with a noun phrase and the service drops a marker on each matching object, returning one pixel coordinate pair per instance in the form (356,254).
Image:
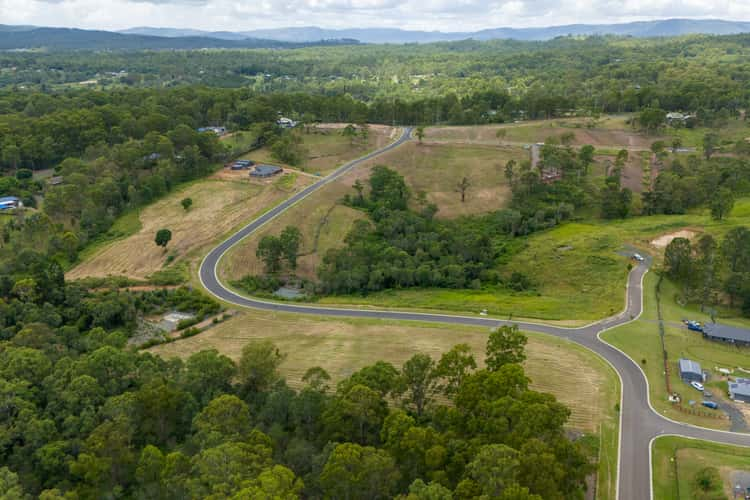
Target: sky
(442,15)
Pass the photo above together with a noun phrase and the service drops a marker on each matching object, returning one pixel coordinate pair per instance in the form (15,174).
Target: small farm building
(265,171)
(690,371)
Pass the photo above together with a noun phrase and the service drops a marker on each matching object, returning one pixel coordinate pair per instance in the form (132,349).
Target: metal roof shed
(690,371)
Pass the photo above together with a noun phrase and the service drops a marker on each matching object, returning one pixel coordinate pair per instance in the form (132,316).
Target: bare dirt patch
(664,240)
(344,346)
(218,206)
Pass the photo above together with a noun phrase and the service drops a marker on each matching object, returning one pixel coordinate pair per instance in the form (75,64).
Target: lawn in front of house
(676,461)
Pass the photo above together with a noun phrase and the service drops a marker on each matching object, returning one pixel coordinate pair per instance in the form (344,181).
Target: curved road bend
(640,423)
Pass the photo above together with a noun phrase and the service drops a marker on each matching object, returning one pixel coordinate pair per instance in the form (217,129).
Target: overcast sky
(443,15)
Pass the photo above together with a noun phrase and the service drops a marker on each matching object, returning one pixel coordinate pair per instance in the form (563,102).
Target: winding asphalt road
(640,424)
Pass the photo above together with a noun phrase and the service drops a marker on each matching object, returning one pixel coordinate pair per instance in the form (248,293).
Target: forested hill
(28,37)
(658,28)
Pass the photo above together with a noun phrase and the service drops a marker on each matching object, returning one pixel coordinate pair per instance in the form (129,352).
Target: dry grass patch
(218,206)
(437,169)
(322,220)
(576,377)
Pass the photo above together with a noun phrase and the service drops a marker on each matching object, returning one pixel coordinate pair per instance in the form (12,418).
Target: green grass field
(579,274)
(734,131)
(677,460)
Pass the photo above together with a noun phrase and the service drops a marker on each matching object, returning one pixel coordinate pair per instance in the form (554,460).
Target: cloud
(444,15)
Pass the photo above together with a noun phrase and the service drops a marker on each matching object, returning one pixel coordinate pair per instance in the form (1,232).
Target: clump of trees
(616,200)
(403,244)
(696,182)
(289,148)
(555,199)
(163,237)
(709,268)
(275,251)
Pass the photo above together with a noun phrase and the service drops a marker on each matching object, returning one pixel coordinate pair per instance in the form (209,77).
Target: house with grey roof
(739,390)
(690,371)
(726,333)
(265,171)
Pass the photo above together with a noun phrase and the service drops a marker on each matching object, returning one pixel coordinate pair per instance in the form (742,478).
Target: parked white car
(697,385)
(638,257)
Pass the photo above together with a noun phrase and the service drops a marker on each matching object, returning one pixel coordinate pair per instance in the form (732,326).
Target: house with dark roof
(241,164)
(739,390)
(726,333)
(262,171)
(690,371)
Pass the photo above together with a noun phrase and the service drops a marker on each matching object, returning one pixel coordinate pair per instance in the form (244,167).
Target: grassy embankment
(221,203)
(677,460)
(578,271)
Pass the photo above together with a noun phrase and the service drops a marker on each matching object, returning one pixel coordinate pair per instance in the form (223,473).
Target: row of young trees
(85,416)
(711,269)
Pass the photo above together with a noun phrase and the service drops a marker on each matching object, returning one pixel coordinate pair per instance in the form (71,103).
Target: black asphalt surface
(640,423)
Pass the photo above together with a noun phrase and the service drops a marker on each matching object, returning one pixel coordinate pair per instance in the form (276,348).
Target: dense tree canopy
(86,416)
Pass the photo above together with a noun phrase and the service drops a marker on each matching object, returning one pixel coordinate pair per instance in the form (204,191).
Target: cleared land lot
(576,377)
(436,170)
(219,205)
(539,131)
(328,149)
(676,461)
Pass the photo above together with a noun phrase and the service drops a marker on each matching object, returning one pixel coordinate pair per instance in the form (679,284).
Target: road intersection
(640,423)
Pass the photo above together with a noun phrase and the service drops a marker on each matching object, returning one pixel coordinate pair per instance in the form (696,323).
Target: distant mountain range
(660,28)
(32,37)
(29,37)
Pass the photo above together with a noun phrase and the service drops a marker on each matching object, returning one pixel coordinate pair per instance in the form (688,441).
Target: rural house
(690,371)
(284,122)
(675,118)
(726,333)
(265,171)
(739,390)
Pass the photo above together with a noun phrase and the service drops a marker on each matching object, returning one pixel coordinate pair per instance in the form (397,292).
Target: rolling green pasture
(579,274)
